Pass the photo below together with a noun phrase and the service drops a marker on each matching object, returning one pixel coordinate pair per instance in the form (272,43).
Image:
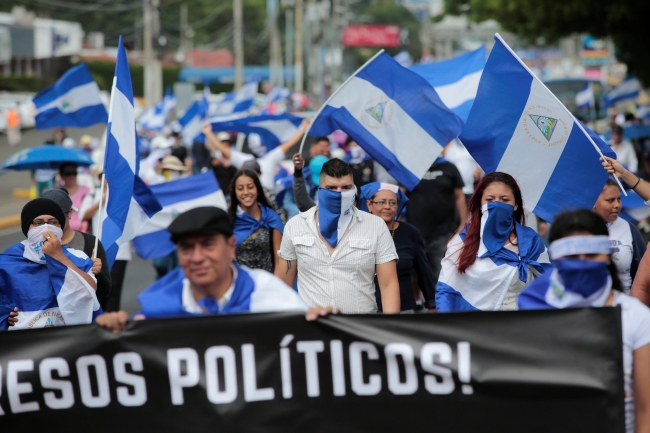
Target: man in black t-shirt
(432,208)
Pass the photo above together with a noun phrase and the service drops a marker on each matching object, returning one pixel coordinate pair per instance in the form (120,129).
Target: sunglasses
(69,173)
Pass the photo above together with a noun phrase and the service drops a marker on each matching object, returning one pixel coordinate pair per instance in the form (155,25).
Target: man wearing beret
(208,281)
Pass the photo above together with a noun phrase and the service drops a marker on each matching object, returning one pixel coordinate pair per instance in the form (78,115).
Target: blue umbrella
(45,157)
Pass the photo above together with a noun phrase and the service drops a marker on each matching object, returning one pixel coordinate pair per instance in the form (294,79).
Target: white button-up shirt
(344,280)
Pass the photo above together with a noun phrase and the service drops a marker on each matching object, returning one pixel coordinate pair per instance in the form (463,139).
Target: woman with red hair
(495,256)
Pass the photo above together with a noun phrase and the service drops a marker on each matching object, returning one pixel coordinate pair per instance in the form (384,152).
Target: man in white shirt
(624,150)
(336,250)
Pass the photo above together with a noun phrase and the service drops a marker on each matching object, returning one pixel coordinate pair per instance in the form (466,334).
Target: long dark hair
(467,255)
(234,202)
(583,221)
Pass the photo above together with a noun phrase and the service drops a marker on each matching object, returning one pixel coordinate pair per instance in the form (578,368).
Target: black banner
(544,371)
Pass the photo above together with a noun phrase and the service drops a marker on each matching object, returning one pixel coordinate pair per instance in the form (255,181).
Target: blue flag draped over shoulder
(72,101)
(484,284)
(130,202)
(47,295)
(244,224)
(394,115)
(519,127)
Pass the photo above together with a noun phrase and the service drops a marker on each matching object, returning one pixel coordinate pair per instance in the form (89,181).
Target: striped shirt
(344,280)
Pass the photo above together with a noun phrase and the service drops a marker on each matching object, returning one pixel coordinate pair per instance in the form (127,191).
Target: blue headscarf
(245,225)
(368,190)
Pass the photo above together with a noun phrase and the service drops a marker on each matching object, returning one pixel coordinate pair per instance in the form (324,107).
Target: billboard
(366,35)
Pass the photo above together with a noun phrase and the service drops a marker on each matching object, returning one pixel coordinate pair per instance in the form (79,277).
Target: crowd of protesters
(333,232)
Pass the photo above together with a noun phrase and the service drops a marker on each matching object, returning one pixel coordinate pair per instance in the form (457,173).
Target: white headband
(573,245)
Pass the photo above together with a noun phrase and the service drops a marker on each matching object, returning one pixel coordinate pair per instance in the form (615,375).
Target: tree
(622,20)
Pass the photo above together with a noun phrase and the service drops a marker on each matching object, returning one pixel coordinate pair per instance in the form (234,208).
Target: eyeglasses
(382,203)
(52,222)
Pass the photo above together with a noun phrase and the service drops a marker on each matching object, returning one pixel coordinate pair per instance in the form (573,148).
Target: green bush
(24,84)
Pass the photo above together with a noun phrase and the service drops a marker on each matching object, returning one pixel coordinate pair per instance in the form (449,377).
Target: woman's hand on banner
(13,317)
(315,312)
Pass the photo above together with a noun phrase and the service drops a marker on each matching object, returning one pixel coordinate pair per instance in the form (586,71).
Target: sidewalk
(10,209)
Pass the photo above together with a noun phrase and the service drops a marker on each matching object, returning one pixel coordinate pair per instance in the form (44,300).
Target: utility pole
(238,18)
(300,9)
(183,32)
(152,67)
(288,42)
(275,47)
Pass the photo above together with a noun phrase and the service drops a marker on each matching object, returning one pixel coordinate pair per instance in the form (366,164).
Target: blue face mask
(496,224)
(584,277)
(334,213)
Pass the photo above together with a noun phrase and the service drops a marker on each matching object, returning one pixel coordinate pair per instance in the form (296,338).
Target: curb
(9,221)
(21,193)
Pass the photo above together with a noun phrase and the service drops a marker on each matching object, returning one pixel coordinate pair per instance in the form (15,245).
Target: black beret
(38,207)
(206,220)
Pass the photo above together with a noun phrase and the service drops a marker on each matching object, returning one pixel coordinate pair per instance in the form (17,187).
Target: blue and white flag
(634,207)
(484,285)
(276,94)
(47,294)
(192,121)
(155,118)
(176,197)
(628,89)
(455,80)
(273,130)
(73,101)
(394,115)
(239,101)
(254,291)
(130,202)
(585,97)
(519,127)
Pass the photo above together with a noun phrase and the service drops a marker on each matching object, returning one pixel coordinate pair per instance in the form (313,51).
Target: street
(139,273)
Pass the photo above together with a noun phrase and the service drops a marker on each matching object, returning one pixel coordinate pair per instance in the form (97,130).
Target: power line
(85,7)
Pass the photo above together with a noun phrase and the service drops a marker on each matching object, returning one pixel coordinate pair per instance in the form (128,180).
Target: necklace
(392,231)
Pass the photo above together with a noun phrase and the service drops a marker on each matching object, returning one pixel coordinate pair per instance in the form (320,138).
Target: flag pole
(302,143)
(99,219)
(602,157)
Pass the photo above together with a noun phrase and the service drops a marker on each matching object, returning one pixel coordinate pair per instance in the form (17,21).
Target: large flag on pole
(455,80)
(519,127)
(394,115)
(176,197)
(240,101)
(130,202)
(72,101)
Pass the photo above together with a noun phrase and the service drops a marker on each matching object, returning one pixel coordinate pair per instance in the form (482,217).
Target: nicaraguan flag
(455,80)
(273,129)
(47,294)
(176,197)
(276,94)
(634,207)
(519,127)
(394,115)
(585,97)
(130,202)
(484,285)
(239,101)
(335,211)
(628,89)
(192,121)
(155,118)
(72,101)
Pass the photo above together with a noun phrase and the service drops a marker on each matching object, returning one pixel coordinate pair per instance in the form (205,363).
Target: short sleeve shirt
(344,280)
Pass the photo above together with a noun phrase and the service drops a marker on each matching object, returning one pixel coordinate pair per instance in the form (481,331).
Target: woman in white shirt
(583,276)
(627,243)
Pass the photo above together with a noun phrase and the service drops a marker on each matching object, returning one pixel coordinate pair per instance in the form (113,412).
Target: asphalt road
(139,273)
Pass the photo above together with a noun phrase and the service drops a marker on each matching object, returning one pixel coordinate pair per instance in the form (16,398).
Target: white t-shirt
(621,237)
(268,164)
(626,155)
(635,318)
(458,155)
